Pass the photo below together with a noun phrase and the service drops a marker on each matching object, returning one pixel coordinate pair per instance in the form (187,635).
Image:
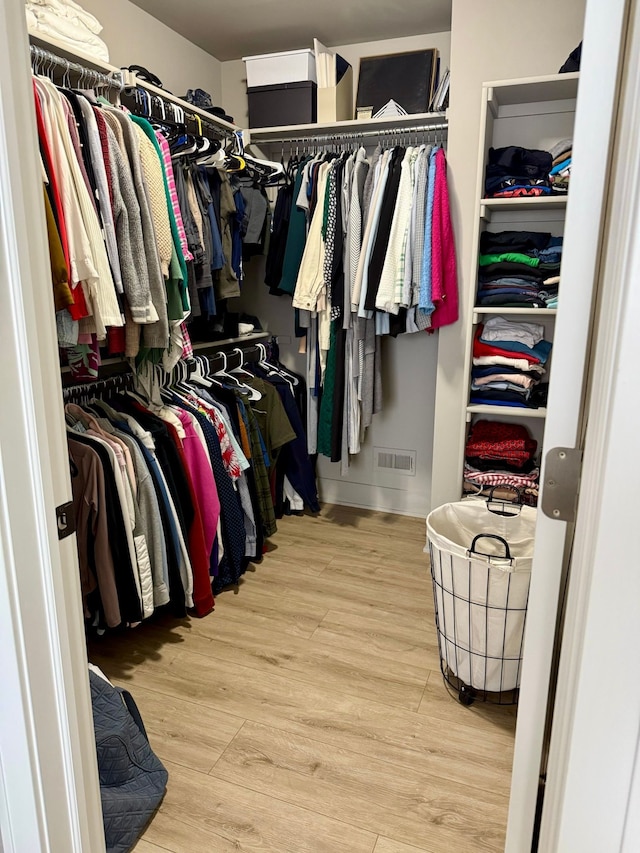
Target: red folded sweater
(482,349)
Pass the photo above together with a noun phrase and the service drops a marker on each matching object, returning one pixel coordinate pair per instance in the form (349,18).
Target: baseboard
(375,498)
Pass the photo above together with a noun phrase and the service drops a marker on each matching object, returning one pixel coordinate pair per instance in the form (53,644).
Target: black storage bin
(286,103)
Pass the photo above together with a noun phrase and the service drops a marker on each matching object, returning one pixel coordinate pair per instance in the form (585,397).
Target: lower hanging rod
(323,137)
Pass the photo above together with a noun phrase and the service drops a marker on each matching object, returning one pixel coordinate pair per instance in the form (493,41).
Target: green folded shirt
(509,257)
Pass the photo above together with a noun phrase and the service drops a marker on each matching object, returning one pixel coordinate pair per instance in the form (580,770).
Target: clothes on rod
(364,245)
(143,237)
(176,486)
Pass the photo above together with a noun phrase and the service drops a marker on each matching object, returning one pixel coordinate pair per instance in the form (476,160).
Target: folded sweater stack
(500,458)
(67,22)
(514,172)
(562,156)
(509,364)
(519,268)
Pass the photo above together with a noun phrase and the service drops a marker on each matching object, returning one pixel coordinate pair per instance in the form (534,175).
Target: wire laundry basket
(481,554)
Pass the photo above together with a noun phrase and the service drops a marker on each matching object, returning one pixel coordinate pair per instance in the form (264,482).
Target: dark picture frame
(407,78)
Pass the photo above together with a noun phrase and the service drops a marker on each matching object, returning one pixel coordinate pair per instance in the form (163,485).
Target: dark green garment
(325,417)
(260,473)
(177,245)
(296,239)
(175,305)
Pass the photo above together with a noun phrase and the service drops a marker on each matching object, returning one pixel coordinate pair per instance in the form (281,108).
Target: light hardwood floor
(308,713)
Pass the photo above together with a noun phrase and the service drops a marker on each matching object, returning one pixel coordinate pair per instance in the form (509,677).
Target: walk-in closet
(316,329)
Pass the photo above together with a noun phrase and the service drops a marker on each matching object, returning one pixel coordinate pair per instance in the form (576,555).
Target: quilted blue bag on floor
(132,779)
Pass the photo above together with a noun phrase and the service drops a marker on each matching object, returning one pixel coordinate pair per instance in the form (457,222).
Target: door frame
(592,800)
(49,794)
(49,791)
(576,333)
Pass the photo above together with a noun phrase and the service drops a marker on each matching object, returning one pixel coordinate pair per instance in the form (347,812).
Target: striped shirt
(171,183)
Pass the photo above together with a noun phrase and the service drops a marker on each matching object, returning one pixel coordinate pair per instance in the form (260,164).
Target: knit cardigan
(444,277)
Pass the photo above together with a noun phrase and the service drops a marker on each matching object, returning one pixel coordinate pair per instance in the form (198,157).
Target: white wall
(406,422)
(483,48)
(136,38)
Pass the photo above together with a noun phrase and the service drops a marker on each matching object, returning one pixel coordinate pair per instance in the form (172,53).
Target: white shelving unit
(534,113)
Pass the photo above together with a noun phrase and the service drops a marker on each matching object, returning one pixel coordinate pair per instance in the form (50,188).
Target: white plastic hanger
(253,394)
(199,374)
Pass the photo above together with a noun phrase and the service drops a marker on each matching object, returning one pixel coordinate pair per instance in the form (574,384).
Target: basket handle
(517,507)
(507,552)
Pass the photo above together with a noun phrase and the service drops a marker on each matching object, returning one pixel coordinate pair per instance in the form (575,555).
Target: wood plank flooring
(308,713)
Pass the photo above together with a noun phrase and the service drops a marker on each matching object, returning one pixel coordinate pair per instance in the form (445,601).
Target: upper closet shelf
(379,125)
(129,79)
(77,56)
(532,90)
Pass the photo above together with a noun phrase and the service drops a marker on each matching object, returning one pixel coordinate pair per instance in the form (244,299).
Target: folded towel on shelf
(68,23)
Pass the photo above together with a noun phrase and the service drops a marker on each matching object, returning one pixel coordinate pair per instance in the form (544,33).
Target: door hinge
(66,520)
(561,483)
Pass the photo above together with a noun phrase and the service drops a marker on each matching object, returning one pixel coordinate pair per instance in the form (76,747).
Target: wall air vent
(399,461)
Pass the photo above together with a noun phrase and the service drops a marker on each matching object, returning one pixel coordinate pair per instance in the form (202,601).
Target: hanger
(263,170)
(253,394)
(180,377)
(197,372)
(240,368)
(216,158)
(263,362)
(235,163)
(270,368)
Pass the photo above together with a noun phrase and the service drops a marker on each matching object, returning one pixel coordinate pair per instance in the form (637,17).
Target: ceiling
(231,30)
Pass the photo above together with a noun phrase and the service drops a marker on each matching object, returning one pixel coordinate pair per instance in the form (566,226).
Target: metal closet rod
(352,134)
(40,55)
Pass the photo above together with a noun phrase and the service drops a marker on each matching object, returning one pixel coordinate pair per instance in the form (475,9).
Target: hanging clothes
(369,252)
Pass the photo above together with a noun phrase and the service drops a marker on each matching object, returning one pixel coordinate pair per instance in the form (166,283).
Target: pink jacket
(444,276)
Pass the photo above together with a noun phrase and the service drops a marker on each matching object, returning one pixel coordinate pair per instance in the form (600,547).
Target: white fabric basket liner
(481,601)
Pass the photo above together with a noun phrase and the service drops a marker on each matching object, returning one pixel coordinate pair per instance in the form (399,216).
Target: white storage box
(271,69)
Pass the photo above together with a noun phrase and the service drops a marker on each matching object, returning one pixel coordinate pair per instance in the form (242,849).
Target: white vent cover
(396,461)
